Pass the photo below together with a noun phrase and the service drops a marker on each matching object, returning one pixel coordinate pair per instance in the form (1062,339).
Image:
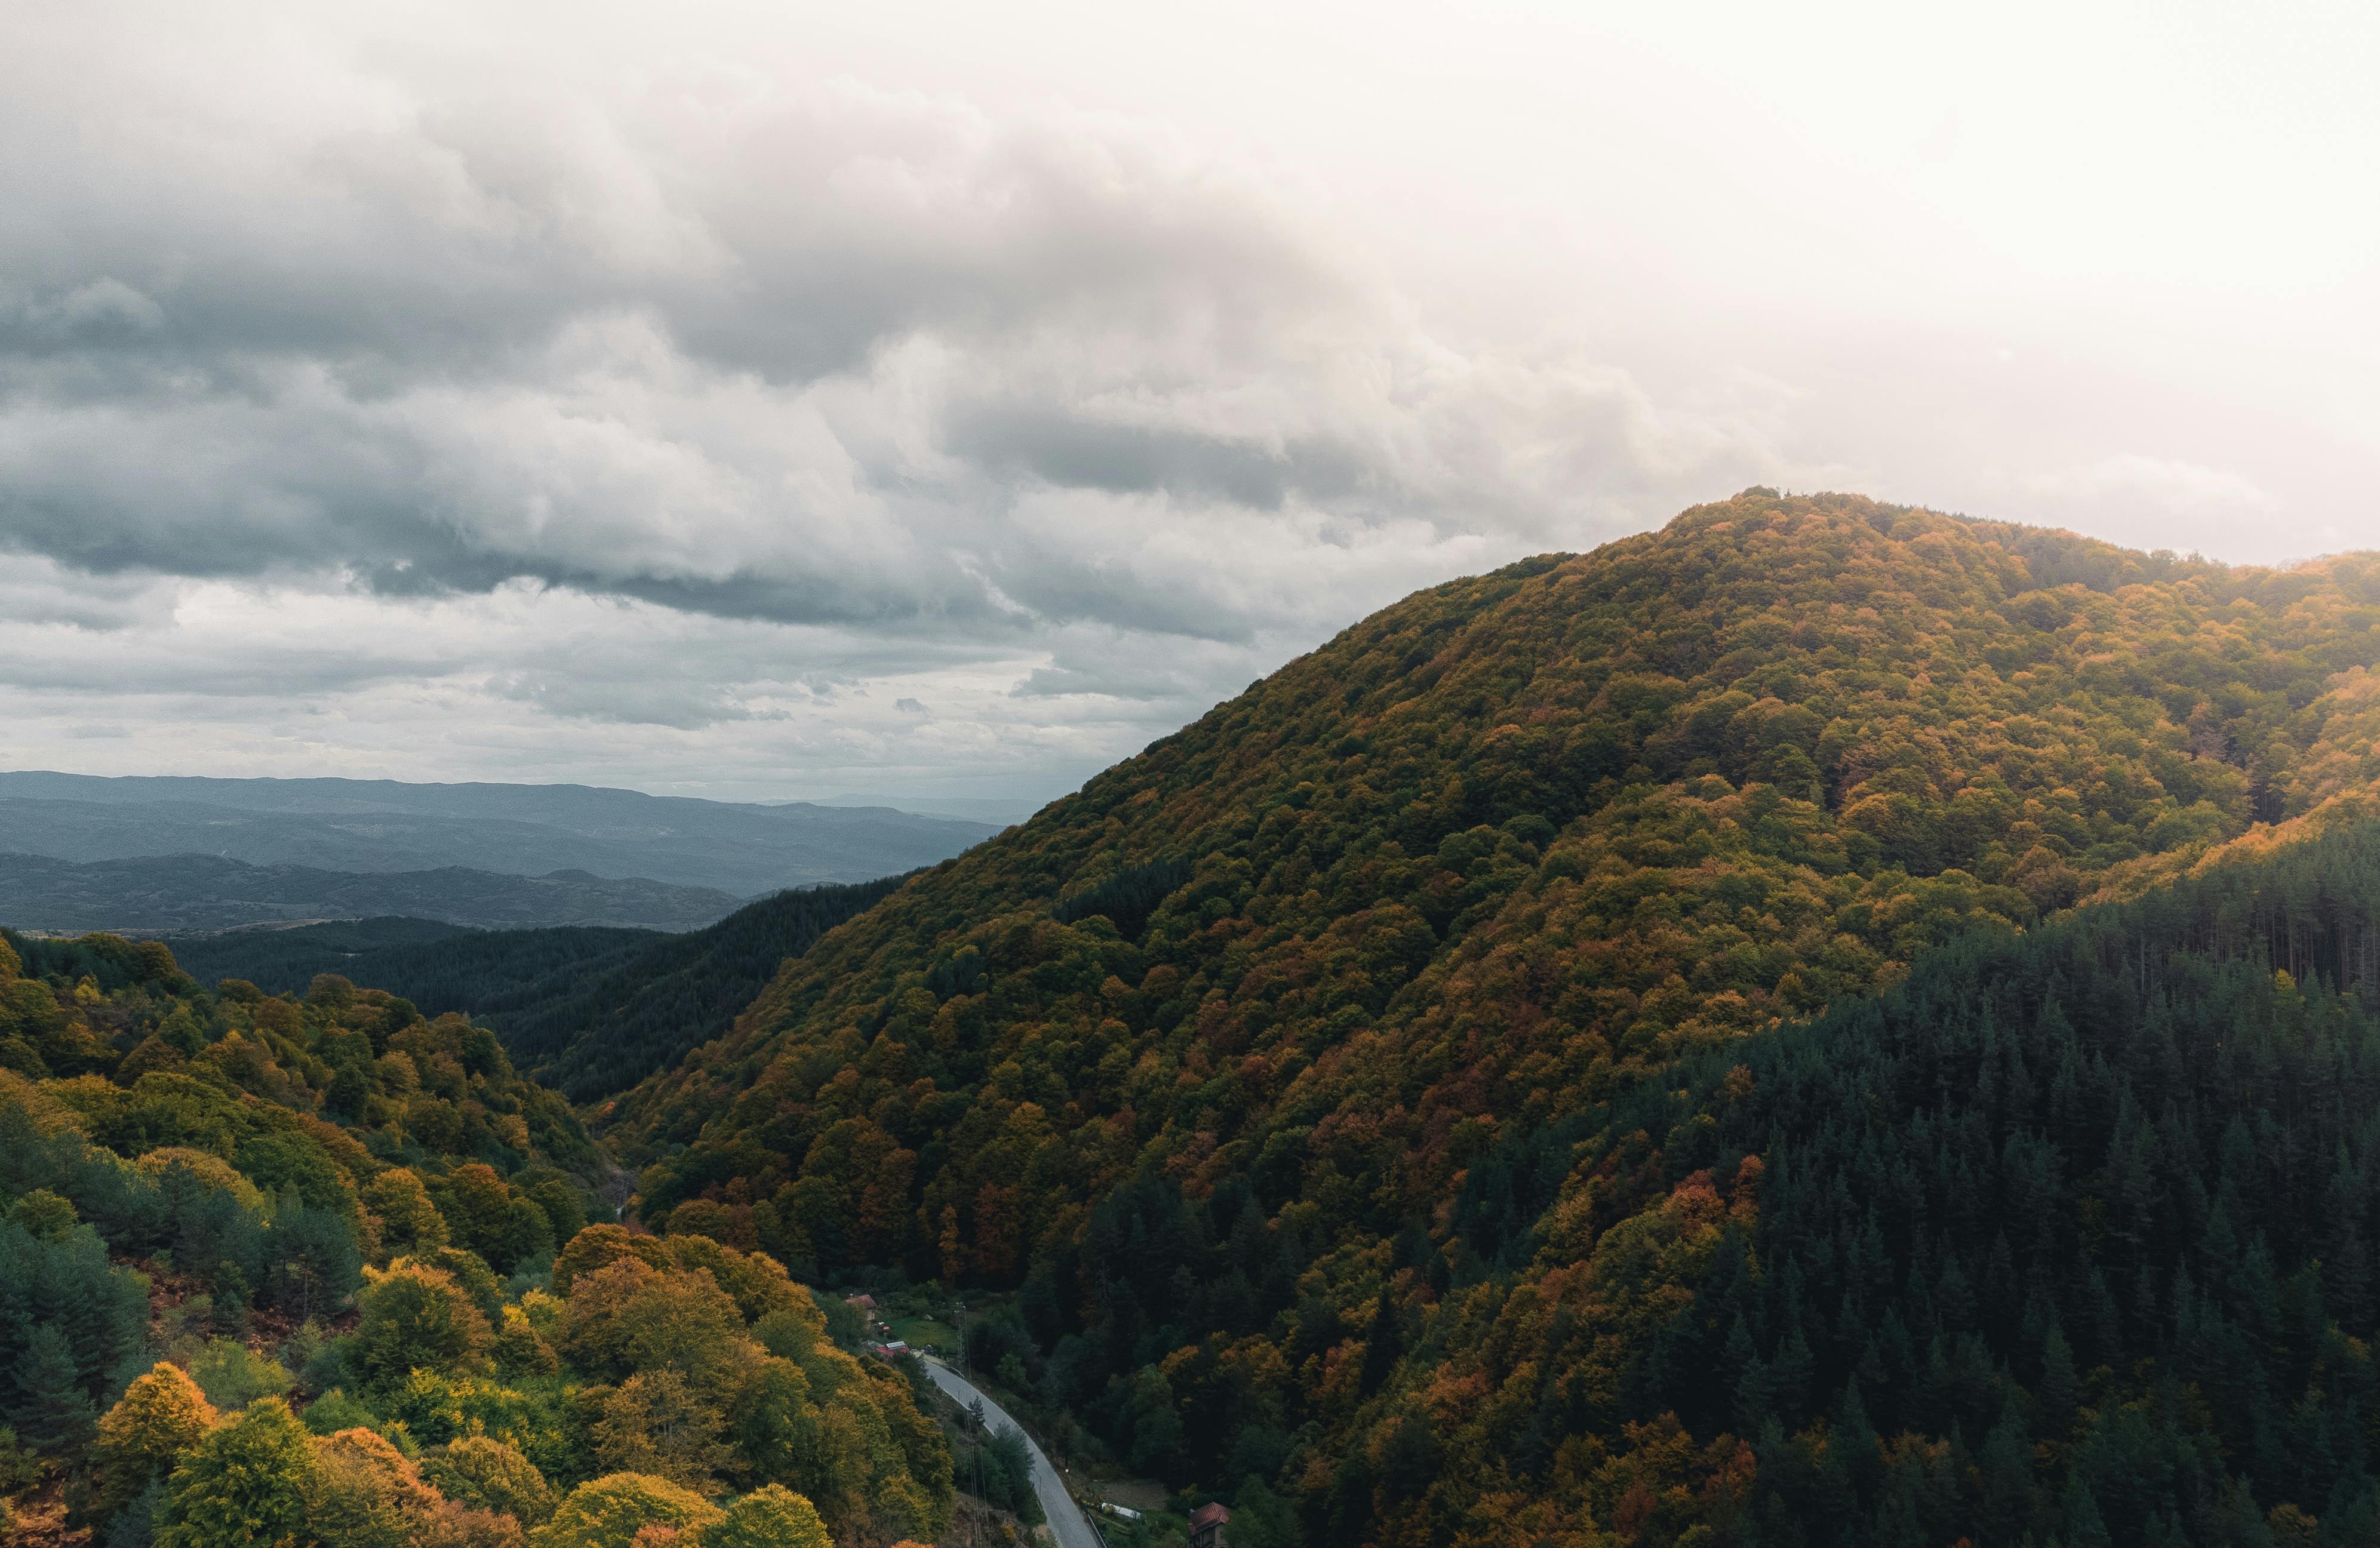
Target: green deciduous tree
(629,1316)
(45,1214)
(655,1424)
(477,1207)
(415,1317)
(487,1473)
(608,1512)
(249,1483)
(233,1375)
(769,1516)
(410,1225)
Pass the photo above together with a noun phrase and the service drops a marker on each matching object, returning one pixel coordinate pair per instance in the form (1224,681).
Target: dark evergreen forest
(2070,1238)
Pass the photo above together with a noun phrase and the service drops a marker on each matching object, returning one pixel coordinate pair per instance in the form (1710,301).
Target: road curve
(1065,1518)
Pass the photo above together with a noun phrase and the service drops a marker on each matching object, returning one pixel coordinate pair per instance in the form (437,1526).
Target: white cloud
(786,354)
(2156,503)
(554,395)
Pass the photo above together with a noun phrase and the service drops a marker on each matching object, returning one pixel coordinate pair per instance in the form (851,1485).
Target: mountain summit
(1532,828)
(1228,1043)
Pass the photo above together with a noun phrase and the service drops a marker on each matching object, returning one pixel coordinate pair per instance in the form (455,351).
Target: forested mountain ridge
(1288,979)
(1520,832)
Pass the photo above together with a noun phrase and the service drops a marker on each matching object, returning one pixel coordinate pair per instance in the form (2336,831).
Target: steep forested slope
(1272,993)
(2069,1237)
(285,1271)
(591,1036)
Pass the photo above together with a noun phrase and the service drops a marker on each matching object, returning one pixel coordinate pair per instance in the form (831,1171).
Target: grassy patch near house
(926,1333)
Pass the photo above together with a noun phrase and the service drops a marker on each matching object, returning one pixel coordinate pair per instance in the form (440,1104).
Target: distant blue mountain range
(699,858)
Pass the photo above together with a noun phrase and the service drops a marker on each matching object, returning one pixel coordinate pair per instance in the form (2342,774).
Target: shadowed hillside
(589,1011)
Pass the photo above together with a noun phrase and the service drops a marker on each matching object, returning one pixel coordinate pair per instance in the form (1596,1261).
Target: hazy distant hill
(999,811)
(205,892)
(530,831)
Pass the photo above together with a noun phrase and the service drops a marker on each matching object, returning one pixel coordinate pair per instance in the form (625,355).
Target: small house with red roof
(1207,1524)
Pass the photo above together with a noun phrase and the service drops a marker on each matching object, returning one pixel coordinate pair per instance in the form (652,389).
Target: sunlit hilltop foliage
(283,1271)
(1289,1072)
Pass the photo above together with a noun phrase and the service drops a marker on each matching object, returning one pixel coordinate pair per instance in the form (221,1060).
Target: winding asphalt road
(1066,1518)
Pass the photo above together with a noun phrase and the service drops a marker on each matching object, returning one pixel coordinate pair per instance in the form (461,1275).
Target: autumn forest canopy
(1829,1022)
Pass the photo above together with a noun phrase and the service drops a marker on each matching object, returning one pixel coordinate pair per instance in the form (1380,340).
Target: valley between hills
(1828,1022)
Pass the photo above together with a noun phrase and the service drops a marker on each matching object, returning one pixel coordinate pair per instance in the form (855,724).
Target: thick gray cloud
(670,409)
(781,354)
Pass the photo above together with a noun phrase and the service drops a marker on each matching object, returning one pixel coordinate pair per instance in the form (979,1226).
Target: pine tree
(2080,1525)
(2008,1477)
(769,1516)
(2058,1383)
(1856,1438)
(52,1413)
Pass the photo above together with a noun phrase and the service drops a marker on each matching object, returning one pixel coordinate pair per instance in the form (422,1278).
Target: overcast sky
(772,401)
